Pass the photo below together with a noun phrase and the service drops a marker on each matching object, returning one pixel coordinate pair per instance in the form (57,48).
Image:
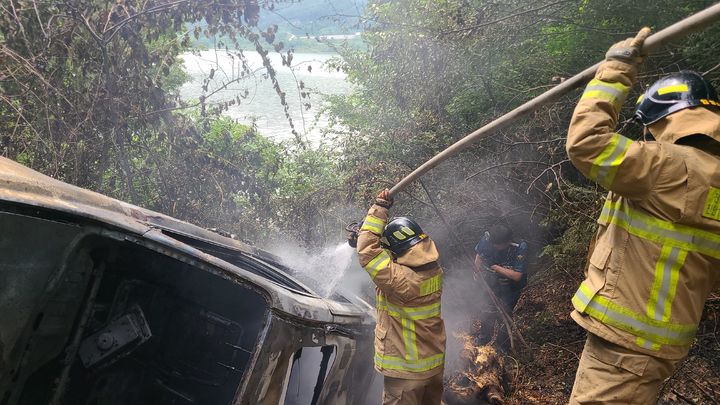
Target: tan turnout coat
(410,334)
(657,255)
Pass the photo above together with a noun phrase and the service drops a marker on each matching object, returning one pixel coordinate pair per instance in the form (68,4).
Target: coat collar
(690,121)
(420,254)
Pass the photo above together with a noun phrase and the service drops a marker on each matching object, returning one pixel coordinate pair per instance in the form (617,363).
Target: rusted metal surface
(296,320)
(22,185)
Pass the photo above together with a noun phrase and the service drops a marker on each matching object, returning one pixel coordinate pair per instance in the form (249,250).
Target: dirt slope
(543,316)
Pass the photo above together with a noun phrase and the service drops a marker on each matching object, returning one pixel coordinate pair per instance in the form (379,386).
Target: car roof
(22,185)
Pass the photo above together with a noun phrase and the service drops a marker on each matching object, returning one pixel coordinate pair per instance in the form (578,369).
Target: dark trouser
(491,323)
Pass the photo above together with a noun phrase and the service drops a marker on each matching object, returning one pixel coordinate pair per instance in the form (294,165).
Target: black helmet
(401,234)
(674,93)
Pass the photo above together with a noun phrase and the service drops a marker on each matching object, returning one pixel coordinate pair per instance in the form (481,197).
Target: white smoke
(327,270)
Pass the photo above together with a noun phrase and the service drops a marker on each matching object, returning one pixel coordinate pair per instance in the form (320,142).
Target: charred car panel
(102,302)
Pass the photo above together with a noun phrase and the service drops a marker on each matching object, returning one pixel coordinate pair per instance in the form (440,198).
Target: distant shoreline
(260,106)
(299,44)
(271,51)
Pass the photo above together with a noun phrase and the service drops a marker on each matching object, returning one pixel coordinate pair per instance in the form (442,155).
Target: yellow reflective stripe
(667,273)
(408,328)
(606,165)
(656,230)
(639,325)
(617,86)
(602,95)
(412,313)
(373,225)
(674,277)
(641,98)
(413,341)
(431,285)
(676,88)
(419,365)
(379,262)
(614,93)
(644,343)
(371,228)
(375,221)
(406,337)
(662,276)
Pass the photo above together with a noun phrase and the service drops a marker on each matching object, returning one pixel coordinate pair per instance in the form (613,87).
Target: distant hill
(316,17)
(302,23)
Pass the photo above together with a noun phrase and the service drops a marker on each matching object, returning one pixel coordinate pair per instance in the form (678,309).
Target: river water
(262,104)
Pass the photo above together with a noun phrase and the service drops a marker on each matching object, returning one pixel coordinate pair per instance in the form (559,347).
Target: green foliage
(575,227)
(83,81)
(88,90)
(436,70)
(88,94)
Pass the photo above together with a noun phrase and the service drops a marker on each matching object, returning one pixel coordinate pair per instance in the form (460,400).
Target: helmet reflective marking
(677,88)
(400,234)
(673,93)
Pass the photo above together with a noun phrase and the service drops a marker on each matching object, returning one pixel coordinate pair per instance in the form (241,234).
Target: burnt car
(103,302)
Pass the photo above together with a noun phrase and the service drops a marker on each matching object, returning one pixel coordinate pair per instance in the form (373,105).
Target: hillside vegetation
(89,95)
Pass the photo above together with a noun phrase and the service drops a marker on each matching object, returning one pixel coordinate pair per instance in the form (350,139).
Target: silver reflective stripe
(408,327)
(611,92)
(639,326)
(397,363)
(373,225)
(619,95)
(380,261)
(604,174)
(646,344)
(633,323)
(603,309)
(582,297)
(665,283)
(663,232)
(414,313)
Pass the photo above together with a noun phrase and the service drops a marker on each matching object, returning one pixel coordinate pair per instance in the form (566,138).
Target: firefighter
(657,250)
(410,335)
(503,263)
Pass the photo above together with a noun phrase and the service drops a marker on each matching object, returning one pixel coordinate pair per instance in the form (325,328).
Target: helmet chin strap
(647,136)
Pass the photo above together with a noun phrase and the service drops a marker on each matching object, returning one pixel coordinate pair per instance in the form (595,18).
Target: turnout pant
(399,391)
(612,374)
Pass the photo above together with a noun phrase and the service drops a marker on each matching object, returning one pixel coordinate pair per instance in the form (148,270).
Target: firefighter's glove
(384,199)
(353,230)
(630,50)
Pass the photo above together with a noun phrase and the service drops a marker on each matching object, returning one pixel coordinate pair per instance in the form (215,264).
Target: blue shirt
(514,257)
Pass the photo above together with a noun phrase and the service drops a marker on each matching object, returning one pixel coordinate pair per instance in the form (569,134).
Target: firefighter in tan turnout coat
(657,255)
(410,335)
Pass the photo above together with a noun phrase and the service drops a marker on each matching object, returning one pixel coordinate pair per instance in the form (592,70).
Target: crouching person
(410,335)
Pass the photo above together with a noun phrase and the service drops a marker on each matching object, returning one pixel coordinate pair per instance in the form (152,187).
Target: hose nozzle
(353,230)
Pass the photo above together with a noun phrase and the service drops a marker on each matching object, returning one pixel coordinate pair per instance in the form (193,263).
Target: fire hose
(695,22)
(680,29)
